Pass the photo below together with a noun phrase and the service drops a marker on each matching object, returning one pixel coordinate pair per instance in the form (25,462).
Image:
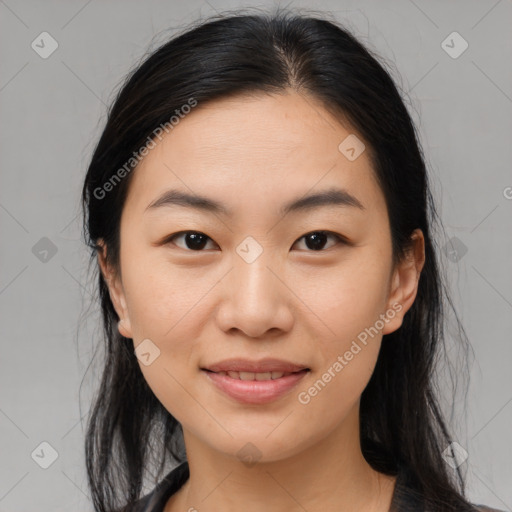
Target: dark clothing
(404,498)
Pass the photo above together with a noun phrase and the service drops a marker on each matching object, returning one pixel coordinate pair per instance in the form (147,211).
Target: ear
(116,291)
(404,283)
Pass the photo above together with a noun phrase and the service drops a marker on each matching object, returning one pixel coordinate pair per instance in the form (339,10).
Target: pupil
(318,240)
(196,243)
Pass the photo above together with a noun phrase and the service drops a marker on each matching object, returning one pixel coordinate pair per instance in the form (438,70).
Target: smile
(254,388)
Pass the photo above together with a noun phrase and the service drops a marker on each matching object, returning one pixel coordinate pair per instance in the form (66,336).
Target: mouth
(246,367)
(256,388)
(256,376)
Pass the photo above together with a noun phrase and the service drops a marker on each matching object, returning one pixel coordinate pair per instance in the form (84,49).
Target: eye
(196,241)
(316,239)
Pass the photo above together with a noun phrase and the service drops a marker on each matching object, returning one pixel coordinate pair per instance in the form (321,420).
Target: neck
(331,474)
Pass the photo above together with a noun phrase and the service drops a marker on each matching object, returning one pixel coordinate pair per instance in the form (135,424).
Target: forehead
(259,148)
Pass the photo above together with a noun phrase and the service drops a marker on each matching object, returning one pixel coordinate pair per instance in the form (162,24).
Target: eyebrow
(329,197)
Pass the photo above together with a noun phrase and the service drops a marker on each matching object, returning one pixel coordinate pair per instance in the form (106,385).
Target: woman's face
(253,286)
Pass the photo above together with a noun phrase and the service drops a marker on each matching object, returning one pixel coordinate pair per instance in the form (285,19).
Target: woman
(259,210)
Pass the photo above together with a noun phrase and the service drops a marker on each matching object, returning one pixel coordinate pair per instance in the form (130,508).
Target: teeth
(255,376)
(263,376)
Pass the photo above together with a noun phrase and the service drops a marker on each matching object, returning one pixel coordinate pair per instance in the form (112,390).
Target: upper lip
(261,366)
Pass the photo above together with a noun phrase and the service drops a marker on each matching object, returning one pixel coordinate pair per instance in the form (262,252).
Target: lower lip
(255,391)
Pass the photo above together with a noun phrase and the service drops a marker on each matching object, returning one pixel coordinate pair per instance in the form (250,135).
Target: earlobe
(395,309)
(123,331)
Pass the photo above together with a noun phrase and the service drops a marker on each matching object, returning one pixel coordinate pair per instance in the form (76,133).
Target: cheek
(164,307)
(158,295)
(336,386)
(350,297)
(350,304)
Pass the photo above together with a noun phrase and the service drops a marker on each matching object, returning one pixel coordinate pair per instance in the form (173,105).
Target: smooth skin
(253,154)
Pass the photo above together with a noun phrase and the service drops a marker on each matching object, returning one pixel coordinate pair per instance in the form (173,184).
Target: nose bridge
(256,285)
(255,299)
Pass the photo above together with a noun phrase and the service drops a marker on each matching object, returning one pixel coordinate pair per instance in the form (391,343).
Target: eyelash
(339,238)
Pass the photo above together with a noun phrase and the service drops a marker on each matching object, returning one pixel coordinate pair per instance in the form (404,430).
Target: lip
(262,366)
(255,391)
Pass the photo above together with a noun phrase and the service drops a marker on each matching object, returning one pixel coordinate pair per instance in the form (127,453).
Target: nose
(255,300)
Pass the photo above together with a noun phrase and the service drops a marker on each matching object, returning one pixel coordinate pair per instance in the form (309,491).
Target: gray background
(52,112)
